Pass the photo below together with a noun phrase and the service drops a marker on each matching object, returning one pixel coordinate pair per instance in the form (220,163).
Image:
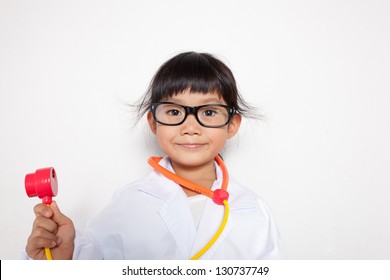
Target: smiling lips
(191,145)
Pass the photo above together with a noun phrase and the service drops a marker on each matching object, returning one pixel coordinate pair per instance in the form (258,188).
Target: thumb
(58,217)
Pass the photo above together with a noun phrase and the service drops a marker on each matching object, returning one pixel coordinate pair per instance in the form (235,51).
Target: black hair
(198,73)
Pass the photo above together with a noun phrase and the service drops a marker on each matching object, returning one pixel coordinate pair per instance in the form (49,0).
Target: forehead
(192,99)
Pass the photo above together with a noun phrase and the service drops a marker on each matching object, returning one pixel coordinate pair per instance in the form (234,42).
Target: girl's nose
(190,126)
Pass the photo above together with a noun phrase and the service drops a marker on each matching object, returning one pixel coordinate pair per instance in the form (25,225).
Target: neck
(203,175)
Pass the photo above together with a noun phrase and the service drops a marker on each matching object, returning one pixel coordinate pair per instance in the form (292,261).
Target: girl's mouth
(191,145)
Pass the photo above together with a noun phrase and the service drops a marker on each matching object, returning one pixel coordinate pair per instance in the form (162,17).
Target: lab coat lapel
(178,219)
(174,210)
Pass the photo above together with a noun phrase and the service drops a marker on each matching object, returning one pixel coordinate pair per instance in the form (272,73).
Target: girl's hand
(51,229)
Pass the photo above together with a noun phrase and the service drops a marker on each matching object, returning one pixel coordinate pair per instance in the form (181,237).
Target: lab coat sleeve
(86,248)
(274,248)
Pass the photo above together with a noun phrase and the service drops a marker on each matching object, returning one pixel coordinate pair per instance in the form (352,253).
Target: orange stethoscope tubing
(153,161)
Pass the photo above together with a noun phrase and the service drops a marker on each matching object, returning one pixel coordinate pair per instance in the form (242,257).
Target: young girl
(187,207)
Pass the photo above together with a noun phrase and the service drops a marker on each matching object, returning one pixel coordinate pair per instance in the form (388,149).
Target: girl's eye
(209,113)
(173,112)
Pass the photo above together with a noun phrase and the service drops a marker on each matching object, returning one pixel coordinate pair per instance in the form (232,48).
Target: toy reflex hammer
(43,183)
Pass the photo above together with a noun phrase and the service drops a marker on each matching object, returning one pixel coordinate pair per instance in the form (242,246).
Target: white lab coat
(151,219)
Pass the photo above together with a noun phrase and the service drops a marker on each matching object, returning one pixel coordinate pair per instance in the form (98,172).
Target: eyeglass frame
(193,110)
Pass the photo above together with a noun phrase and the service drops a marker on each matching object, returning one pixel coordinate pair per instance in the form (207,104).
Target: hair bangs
(189,72)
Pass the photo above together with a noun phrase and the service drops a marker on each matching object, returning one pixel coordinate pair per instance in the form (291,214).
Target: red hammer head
(43,183)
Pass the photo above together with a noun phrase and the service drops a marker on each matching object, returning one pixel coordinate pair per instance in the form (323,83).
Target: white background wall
(318,70)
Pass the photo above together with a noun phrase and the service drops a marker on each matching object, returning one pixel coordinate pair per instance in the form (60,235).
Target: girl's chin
(190,161)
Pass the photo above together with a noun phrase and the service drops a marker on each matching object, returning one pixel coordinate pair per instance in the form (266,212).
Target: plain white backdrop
(317,70)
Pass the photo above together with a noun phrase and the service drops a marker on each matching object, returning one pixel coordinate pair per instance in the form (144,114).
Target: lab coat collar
(166,188)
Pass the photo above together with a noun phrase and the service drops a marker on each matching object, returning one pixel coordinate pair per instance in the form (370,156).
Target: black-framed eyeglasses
(209,115)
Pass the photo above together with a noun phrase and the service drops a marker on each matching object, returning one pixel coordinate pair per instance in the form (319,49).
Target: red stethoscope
(219,196)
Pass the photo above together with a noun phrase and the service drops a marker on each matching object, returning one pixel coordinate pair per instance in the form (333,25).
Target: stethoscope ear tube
(218,195)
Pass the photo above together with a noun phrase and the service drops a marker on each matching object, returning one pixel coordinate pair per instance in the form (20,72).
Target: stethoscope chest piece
(220,196)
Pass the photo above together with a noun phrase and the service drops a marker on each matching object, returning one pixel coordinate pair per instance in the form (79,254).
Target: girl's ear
(152,123)
(234,125)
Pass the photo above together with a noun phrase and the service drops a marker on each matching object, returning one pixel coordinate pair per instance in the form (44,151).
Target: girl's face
(191,144)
